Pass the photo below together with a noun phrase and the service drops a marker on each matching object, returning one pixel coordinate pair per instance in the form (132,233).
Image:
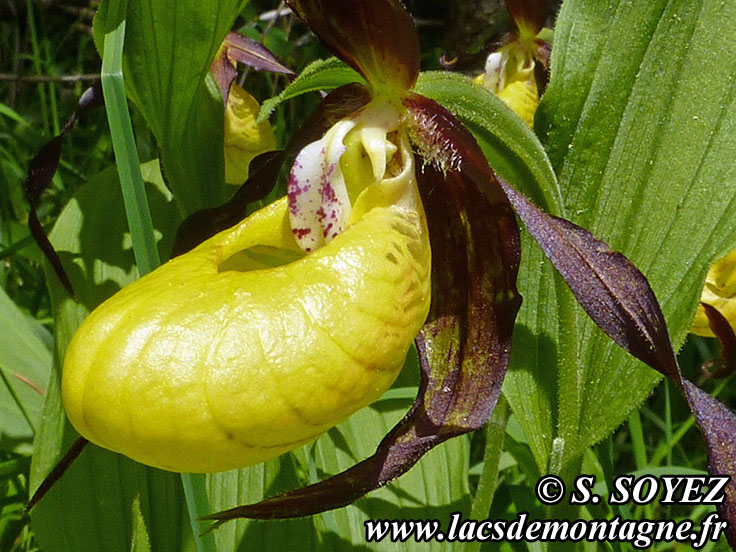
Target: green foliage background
(634,140)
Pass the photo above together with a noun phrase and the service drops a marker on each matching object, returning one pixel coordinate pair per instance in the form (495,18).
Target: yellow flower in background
(509,73)
(511,70)
(720,292)
(244,137)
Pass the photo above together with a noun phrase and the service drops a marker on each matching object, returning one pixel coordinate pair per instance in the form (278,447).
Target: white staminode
(319,202)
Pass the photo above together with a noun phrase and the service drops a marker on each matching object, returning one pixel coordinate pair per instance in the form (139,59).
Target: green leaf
(140,541)
(24,357)
(639,121)
(169,46)
(318,75)
(95,246)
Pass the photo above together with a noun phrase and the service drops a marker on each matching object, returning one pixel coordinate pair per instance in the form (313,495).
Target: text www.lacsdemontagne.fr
(639,533)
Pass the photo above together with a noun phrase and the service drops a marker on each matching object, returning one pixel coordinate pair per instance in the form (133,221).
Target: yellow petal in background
(244,138)
(720,292)
(509,73)
(246,347)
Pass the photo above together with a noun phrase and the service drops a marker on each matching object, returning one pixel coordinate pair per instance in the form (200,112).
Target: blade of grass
(198,504)
(495,432)
(637,440)
(139,215)
(52,90)
(123,143)
(17,400)
(35,47)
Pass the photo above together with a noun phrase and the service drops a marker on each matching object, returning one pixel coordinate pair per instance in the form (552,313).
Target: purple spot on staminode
(301,232)
(328,194)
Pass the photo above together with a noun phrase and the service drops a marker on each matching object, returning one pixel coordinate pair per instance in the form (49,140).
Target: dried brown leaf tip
(237,48)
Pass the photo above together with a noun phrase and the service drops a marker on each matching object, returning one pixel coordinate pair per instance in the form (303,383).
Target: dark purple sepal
(224,73)
(531,14)
(41,171)
(618,298)
(239,48)
(718,425)
(57,472)
(205,223)
(377,38)
(613,292)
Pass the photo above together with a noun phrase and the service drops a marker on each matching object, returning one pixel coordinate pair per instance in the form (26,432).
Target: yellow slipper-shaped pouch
(247,347)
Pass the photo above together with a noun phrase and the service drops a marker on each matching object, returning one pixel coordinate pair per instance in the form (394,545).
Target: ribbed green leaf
(639,120)
(169,46)
(94,244)
(318,75)
(24,355)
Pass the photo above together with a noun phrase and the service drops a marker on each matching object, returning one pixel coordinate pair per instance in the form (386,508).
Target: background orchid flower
(245,137)
(512,72)
(719,292)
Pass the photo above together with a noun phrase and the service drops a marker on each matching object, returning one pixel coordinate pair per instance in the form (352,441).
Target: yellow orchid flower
(509,73)
(256,345)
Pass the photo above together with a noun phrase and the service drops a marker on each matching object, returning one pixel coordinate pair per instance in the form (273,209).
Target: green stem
(495,432)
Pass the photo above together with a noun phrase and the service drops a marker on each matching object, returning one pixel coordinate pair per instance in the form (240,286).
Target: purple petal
(237,47)
(41,170)
(721,328)
(618,298)
(377,38)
